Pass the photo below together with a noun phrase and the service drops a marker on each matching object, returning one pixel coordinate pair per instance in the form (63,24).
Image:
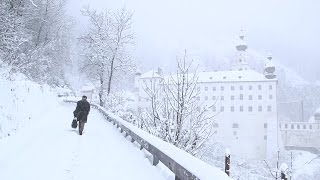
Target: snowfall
(37,142)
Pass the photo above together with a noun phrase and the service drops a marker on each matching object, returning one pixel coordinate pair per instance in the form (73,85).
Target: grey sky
(290,29)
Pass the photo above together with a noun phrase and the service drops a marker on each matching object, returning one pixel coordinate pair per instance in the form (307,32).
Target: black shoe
(80,133)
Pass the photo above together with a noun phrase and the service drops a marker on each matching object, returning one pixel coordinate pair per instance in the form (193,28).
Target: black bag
(74,123)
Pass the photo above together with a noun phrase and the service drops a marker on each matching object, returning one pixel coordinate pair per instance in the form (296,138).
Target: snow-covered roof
(220,76)
(87,88)
(151,74)
(232,76)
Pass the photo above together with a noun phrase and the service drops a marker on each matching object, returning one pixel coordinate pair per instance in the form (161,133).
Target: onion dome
(241,46)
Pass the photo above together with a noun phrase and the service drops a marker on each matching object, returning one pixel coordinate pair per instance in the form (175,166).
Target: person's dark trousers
(81,127)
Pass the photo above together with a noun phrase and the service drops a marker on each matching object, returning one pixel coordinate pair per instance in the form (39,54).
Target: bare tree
(176,112)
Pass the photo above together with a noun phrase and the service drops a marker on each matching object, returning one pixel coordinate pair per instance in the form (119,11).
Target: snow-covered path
(49,149)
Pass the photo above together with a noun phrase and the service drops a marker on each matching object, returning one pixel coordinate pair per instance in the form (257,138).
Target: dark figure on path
(81,112)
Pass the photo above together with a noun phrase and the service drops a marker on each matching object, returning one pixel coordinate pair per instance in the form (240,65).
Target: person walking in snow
(81,112)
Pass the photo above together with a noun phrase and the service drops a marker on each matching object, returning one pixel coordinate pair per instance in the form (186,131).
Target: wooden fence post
(227,162)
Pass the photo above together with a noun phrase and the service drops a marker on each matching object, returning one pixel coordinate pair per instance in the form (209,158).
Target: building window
(214,98)
(265,137)
(221,98)
(241,96)
(250,97)
(260,108)
(292,126)
(232,108)
(259,87)
(214,109)
(235,125)
(250,87)
(270,87)
(206,88)
(221,108)
(250,108)
(298,126)
(269,108)
(232,97)
(241,87)
(222,88)
(265,125)
(304,126)
(241,108)
(286,126)
(270,96)
(259,97)
(232,88)
(206,98)
(214,89)
(310,126)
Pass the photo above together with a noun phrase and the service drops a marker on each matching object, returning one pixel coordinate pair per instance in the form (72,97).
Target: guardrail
(178,161)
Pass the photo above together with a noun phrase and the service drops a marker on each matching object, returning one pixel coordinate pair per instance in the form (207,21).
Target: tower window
(270,87)
(235,125)
(304,126)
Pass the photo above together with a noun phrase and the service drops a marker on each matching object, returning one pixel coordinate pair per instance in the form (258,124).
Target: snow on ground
(49,149)
(19,102)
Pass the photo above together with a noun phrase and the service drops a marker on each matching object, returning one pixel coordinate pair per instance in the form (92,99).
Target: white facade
(244,102)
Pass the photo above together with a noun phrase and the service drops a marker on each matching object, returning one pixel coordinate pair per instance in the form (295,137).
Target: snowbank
(21,101)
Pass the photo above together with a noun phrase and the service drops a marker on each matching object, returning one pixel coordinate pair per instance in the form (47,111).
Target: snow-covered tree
(35,38)
(105,47)
(175,114)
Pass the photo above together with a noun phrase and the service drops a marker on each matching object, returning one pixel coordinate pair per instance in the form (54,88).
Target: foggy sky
(289,29)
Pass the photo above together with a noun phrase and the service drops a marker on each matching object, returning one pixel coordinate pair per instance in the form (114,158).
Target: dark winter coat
(82,111)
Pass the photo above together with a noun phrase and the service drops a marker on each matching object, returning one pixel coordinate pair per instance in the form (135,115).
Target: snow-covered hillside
(21,101)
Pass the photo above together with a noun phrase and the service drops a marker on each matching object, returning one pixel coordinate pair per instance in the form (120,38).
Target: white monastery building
(243,100)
